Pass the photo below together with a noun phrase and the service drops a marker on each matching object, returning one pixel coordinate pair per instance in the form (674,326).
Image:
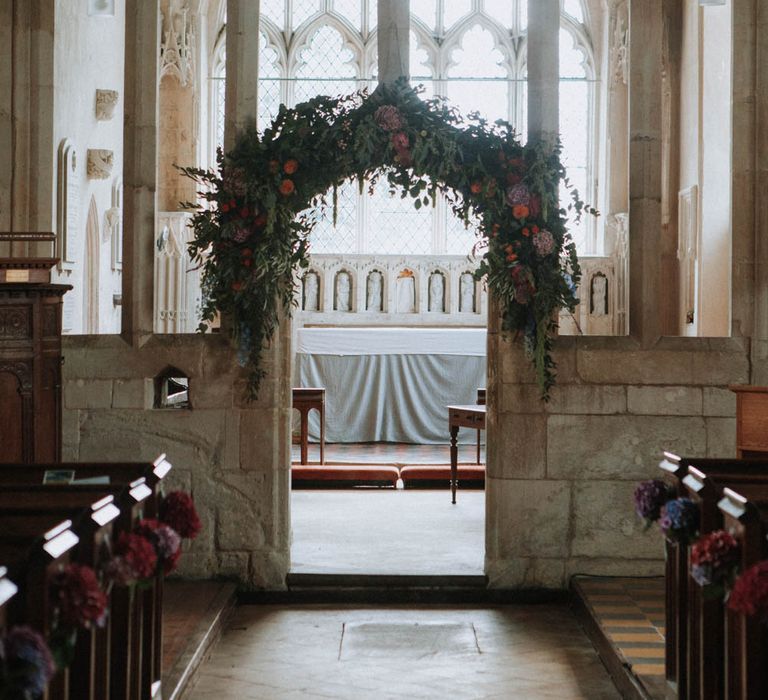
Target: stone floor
(399,653)
(379,531)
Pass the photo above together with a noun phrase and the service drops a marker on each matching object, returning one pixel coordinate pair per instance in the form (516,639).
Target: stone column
(265,424)
(646,22)
(26,121)
(241,105)
(142,47)
(393,41)
(543,69)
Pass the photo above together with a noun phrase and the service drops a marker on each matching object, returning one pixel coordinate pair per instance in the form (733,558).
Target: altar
(391,384)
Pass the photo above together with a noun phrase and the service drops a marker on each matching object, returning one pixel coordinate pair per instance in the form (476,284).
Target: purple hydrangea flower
(388,117)
(679,520)
(650,496)
(26,662)
(543,242)
(518,194)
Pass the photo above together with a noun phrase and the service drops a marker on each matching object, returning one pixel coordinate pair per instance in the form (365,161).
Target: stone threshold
(180,678)
(309,588)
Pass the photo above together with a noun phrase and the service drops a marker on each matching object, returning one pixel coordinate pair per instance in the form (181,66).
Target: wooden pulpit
(30,361)
(751,420)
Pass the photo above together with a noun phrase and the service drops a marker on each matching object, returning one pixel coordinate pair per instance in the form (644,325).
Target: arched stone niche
(436,292)
(374,291)
(172,389)
(467,293)
(343,291)
(598,294)
(405,292)
(310,291)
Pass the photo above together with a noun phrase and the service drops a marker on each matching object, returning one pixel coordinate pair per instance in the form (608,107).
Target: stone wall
(233,456)
(561,474)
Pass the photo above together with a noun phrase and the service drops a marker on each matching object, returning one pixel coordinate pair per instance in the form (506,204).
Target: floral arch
(265,194)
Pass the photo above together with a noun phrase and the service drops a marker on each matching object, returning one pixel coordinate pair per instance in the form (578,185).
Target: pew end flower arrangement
(251,237)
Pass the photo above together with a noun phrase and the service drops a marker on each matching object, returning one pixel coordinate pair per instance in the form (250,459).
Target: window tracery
(471,51)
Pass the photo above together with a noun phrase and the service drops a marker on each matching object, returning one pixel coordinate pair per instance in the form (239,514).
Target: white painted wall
(88,55)
(705,156)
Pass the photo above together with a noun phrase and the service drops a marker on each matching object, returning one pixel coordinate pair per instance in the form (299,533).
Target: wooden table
(462,417)
(304,400)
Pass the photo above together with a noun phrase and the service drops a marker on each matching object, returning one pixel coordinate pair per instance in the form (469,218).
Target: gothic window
(471,51)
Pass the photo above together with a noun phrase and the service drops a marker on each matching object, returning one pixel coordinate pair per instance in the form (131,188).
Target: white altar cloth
(391,384)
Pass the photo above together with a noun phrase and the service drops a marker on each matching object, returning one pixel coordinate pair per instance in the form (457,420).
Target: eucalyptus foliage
(263,199)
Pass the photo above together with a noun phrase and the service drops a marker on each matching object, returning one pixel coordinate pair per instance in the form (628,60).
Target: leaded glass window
(471,51)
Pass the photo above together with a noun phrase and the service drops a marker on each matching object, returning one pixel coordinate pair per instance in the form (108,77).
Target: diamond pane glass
(503,11)
(219,88)
(326,66)
(395,227)
(572,58)
(454,10)
(269,83)
(274,10)
(478,58)
(459,237)
(420,67)
(342,238)
(574,125)
(351,10)
(574,8)
(426,11)
(303,10)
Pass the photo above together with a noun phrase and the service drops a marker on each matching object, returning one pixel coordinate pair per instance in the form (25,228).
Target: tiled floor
(399,653)
(388,453)
(630,611)
(384,531)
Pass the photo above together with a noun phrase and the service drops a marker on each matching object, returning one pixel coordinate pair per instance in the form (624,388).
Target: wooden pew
(134,618)
(705,626)
(93,525)
(8,589)
(33,560)
(119,473)
(746,670)
(674,470)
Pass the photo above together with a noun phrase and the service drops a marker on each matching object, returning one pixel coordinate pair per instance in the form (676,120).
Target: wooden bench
(705,627)
(304,400)
(136,636)
(674,470)
(746,670)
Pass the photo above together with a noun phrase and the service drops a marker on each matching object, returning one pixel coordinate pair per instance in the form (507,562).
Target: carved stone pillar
(543,69)
(645,158)
(392,34)
(142,44)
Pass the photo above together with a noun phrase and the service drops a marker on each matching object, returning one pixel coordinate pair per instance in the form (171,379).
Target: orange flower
(287,187)
(512,257)
(526,232)
(247,262)
(509,249)
(535,228)
(246,252)
(476,187)
(291,166)
(237,286)
(520,211)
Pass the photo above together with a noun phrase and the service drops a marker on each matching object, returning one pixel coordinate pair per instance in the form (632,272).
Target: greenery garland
(264,197)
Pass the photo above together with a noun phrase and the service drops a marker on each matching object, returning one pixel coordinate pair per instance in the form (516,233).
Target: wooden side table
(751,420)
(462,417)
(304,400)
(481,402)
